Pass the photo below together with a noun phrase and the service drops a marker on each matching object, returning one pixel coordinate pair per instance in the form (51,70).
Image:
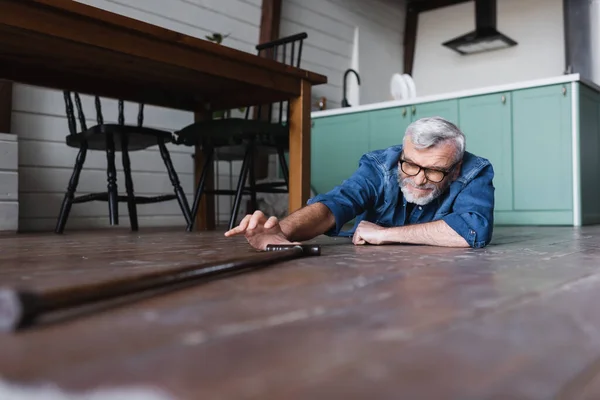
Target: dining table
(66,45)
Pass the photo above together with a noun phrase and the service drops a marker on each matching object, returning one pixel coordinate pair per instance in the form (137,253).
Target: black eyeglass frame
(425,170)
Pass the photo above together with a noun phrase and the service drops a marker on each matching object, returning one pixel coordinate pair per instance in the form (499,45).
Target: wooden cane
(19,307)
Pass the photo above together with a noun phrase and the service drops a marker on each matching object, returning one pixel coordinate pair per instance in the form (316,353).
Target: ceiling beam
(270,20)
(410,38)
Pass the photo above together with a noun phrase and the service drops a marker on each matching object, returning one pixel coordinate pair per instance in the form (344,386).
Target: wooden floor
(519,319)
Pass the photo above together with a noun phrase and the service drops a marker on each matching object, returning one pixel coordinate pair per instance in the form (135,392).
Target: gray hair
(429,132)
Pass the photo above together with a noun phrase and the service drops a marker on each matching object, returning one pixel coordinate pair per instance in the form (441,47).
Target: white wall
(9,186)
(595,42)
(537,25)
(45,162)
(331,25)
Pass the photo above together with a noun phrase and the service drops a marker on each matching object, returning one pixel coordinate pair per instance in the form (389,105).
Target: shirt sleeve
(472,214)
(353,196)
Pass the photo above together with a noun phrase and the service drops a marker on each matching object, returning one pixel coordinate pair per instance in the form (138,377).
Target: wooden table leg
(299,123)
(205,218)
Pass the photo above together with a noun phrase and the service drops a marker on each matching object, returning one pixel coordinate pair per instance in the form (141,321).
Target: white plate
(410,83)
(398,87)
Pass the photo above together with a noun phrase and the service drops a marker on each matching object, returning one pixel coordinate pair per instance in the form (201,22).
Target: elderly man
(428,190)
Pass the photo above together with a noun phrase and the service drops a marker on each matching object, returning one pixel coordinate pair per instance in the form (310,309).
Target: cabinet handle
(503,99)
(404,112)
(564,91)
(414,110)
(312,124)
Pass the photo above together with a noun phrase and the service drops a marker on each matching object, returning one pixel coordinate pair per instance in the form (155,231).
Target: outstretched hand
(260,231)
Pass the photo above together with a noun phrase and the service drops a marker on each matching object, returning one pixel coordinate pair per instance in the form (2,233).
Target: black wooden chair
(111,138)
(241,138)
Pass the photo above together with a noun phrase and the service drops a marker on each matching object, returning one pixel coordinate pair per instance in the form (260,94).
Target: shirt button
(420,208)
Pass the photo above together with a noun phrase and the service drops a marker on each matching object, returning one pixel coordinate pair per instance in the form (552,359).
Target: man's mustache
(424,186)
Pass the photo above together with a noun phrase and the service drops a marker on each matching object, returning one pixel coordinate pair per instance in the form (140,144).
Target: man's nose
(420,178)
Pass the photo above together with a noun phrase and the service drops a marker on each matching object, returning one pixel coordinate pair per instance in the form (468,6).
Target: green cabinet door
(447,109)
(542,160)
(589,147)
(337,144)
(387,127)
(486,122)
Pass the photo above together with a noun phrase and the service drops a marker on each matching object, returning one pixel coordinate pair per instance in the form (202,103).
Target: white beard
(407,183)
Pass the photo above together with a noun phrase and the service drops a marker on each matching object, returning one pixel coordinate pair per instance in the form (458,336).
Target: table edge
(173,37)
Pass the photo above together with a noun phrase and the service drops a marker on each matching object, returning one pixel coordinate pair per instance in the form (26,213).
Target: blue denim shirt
(373,194)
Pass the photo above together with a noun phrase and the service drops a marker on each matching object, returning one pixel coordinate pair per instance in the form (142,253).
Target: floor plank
(517,319)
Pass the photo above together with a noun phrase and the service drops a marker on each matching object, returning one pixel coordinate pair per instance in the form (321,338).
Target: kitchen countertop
(455,95)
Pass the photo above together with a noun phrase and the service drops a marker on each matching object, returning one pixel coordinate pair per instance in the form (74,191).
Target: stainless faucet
(345,100)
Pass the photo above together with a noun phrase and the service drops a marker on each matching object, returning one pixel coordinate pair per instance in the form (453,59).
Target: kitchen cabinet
(542,138)
(486,122)
(589,154)
(542,149)
(447,109)
(526,135)
(387,127)
(337,144)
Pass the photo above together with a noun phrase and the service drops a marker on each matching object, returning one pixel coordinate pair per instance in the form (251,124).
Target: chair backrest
(71,120)
(287,50)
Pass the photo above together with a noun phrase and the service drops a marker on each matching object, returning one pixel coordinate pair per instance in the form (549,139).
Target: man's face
(418,189)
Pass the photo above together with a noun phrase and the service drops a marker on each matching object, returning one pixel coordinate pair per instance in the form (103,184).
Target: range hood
(485,37)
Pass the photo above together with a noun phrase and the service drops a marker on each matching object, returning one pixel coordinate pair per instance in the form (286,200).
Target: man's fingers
(251,222)
(244,224)
(240,228)
(256,218)
(356,238)
(271,222)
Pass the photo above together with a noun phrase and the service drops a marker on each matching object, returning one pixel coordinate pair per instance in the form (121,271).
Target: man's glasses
(433,175)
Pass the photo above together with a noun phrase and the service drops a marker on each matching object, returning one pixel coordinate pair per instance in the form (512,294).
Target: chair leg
(240,187)
(111,172)
(131,206)
(71,188)
(253,202)
(208,159)
(284,167)
(181,199)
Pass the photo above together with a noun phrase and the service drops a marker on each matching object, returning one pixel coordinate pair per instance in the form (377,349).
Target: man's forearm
(308,222)
(436,233)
